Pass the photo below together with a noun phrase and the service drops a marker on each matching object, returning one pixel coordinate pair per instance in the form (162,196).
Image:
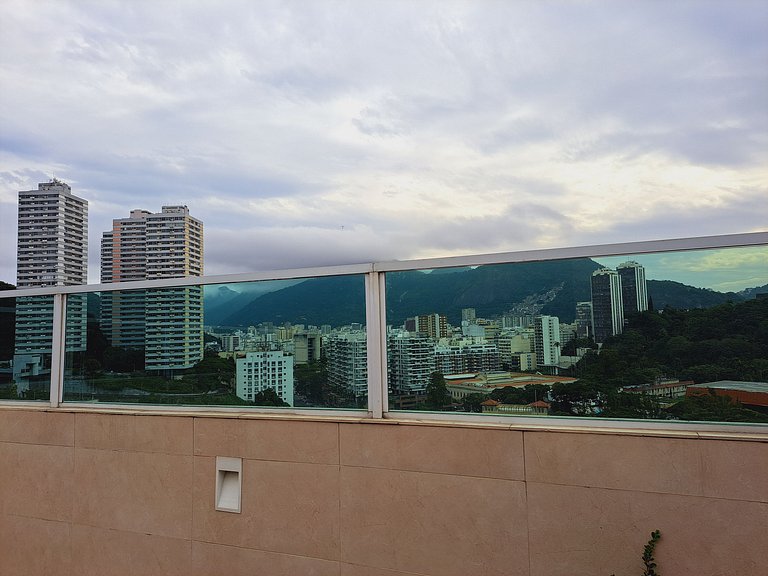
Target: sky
(316,133)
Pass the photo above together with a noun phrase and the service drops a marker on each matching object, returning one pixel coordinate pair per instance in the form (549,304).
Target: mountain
(749,293)
(552,287)
(683,297)
(491,290)
(335,300)
(221,301)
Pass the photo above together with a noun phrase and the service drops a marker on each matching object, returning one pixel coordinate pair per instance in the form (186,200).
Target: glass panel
(26,336)
(672,336)
(272,343)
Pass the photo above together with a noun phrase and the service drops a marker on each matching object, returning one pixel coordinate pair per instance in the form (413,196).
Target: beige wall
(98,494)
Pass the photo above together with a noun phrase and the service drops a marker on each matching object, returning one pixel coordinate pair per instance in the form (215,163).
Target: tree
(92,368)
(474,402)
(268,397)
(437,392)
(311,381)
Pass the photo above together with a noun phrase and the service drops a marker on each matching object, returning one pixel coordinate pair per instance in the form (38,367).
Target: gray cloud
(421,128)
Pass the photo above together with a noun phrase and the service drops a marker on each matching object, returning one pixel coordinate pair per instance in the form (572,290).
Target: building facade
(634,289)
(546,339)
(166,323)
(584,320)
(347,354)
(258,371)
(410,362)
(307,346)
(52,250)
(607,306)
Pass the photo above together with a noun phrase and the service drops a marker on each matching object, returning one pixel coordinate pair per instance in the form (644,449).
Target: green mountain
(666,293)
(750,293)
(335,300)
(491,290)
(552,287)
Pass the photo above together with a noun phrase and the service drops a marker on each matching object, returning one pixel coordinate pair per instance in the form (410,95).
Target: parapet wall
(101,493)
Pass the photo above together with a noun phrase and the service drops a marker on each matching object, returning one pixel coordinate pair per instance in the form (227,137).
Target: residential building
(150,246)
(410,361)
(547,340)
(307,346)
(584,320)
(463,356)
(347,354)
(607,306)
(52,247)
(258,371)
(52,250)
(434,326)
(514,342)
(634,289)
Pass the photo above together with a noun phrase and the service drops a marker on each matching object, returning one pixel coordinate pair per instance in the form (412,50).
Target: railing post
(375,327)
(57,348)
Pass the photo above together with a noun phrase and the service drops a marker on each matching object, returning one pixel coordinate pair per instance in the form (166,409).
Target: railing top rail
(617,249)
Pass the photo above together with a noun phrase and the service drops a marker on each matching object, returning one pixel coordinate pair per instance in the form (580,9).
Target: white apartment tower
(257,371)
(410,362)
(546,338)
(52,237)
(347,354)
(167,322)
(52,250)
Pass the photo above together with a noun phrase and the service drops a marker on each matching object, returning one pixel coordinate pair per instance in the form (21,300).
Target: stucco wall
(96,493)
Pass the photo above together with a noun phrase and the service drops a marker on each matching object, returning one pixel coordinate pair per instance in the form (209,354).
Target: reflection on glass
(26,338)
(679,336)
(294,343)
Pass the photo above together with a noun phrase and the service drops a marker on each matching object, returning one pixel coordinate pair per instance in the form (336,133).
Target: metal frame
(376,327)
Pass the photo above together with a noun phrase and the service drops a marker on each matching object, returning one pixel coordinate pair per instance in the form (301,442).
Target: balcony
(112,470)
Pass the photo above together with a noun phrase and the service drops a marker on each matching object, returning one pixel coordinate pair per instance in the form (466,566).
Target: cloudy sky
(318,132)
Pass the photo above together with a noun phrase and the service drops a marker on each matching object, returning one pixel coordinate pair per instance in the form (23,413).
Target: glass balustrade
(268,343)
(666,336)
(26,341)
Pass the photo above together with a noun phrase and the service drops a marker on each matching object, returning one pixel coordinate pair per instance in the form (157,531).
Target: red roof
(539,404)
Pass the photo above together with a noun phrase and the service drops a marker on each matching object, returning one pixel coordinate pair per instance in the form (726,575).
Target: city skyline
(325,133)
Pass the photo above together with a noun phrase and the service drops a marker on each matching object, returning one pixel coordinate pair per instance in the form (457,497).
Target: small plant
(648,560)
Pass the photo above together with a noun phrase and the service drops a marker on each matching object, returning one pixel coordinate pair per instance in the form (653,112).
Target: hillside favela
(614,337)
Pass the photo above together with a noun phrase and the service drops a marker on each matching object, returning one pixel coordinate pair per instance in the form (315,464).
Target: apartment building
(52,250)
(166,323)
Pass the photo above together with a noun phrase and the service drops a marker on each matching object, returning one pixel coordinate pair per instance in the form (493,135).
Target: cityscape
(557,338)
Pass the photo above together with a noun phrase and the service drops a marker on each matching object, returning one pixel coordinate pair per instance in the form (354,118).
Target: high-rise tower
(584,319)
(52,238)
(634,291)
(607,307)
(52,250)
(547,340)
(167,322)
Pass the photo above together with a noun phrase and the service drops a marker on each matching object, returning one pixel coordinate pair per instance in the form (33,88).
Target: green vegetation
(729,341)
(311,381)
(648,560)
(311,388)
(437,393)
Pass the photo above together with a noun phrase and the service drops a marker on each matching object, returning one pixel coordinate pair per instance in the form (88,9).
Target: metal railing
(376,327)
